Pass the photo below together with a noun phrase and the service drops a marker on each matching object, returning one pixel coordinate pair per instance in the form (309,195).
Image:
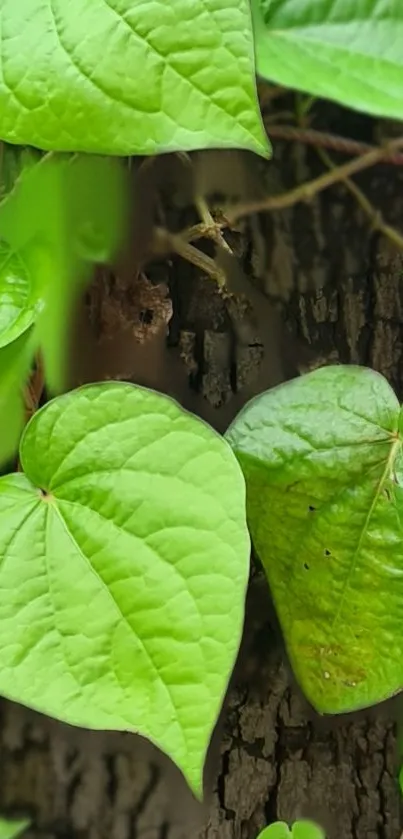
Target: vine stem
(375,216)
(306,191)
(321,139)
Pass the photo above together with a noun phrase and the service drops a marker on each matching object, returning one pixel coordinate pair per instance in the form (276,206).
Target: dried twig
(306,191)
(321,139)
(167,242)
(375,216)
(211,228)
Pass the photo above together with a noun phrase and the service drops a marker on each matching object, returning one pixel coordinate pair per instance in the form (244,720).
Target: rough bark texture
(272,757)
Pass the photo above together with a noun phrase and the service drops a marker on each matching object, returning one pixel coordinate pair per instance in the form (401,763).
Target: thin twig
(321,139)
(277,116)
(267,93)
(214,229)
(306,191)
(174,243)
(375,216)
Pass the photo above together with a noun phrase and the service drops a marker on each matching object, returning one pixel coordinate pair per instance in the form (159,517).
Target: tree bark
(338,286)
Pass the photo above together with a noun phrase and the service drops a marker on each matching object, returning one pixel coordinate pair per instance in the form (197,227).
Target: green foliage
(322,458)
(19,301)
(124,559)
(124,550)
(15,364)
(60,216)
(302,829)
(347,51)
(119,77)
(11,828)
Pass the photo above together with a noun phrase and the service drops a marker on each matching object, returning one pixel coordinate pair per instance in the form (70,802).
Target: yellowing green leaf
(124,558)
(322,458)
(123,77)
(347,50)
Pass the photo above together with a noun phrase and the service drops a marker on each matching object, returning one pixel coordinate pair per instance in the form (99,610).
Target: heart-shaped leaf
(322,458)
(124,77)
(347,51)
(124,558)
(277,830)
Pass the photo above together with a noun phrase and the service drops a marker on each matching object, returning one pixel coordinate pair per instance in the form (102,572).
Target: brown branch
(306,191)
(167,242)
(375,216)
(321,139)
(212,229)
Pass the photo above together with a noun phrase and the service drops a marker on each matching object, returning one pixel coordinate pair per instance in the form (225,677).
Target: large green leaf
(11,828)
(349,50)
(124,563)
(128,77)
(322,458)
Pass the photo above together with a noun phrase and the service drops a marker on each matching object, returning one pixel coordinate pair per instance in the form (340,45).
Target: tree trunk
(272,757)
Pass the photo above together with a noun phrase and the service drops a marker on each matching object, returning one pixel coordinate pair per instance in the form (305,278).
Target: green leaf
(322,458)
(124,564)
(11,828)
(305,829)
(15,363)
(277,830)
(300,830)
(117,77)
(63,215)
(14,161)
(346,51)
(19,303)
